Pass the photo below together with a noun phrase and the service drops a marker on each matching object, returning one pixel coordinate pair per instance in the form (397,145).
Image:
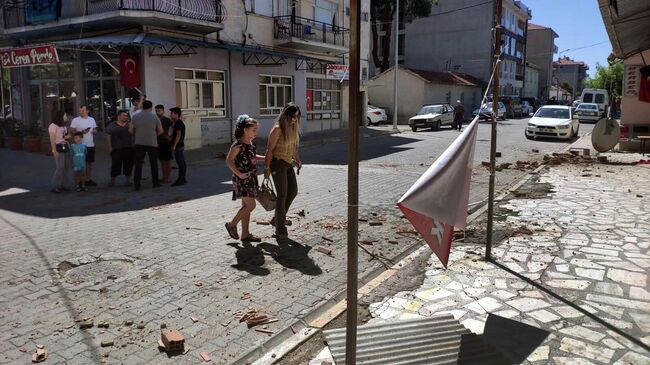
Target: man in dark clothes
(178,144)
(120,147)
(165,145)
(459,114)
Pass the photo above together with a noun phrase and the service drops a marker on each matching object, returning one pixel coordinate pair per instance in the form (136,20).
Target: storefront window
(323,99)
(92,69)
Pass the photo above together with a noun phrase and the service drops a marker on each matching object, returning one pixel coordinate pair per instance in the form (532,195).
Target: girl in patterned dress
(242,161)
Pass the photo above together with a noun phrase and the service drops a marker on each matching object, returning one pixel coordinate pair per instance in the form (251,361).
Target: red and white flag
(129,69)
(437,202)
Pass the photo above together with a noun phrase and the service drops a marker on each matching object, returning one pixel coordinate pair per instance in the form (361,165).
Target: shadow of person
(292,255)
(249,259)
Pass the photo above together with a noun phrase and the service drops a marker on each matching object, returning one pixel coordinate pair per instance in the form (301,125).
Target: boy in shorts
(79,152)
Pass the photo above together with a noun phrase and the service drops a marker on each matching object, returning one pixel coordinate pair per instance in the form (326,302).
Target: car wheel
(436,125)
(414,128)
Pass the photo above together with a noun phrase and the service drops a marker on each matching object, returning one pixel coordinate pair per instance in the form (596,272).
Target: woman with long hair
(281,153)
(59,138)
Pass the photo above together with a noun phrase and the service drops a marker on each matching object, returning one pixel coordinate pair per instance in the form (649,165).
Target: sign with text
(29,56)
(338,72)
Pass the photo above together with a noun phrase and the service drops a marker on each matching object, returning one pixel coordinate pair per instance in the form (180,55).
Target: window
(267,7)
(201,91)
(324,11)
(324,98)
(274,92)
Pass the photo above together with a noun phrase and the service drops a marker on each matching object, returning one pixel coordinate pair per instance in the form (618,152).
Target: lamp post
(395,69)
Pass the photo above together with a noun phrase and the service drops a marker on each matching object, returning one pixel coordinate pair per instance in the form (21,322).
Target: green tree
(566,86)
(382,12)
(609,78)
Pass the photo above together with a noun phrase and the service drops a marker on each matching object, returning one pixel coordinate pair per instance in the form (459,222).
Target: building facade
(215,59)
(572,72)
(531,86)
(540,50)
(457,37)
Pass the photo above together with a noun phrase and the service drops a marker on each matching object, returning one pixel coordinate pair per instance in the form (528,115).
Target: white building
(531,85)
(215,59)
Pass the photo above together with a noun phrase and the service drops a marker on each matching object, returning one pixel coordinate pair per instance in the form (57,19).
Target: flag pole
(493,139)
(353,182)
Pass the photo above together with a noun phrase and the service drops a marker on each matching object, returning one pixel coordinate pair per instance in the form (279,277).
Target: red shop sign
(29,56)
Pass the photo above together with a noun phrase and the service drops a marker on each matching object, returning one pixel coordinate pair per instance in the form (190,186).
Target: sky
(578,24)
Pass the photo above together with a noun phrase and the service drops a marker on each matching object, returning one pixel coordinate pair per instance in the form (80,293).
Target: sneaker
(83,188)
(91,183)
(179,183)
(78,189)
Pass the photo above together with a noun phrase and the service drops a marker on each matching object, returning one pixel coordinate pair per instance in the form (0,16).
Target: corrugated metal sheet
(430,341)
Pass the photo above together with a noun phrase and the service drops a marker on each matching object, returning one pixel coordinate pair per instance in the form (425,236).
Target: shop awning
(628,25)
(167,44)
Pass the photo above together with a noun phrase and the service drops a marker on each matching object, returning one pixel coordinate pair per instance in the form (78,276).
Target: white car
(588,111)
(376,115)
(553,121)
(485,111)
(432,116)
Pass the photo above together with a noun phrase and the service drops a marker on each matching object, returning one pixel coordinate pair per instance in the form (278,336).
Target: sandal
(232,232)
(287,222)
(251,238)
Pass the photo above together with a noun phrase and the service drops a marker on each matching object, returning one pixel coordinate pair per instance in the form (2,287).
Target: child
(79,151)
(242,161)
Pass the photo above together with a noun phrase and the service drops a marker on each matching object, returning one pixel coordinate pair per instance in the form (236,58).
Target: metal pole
(395,69)
(353,182)
(493,139)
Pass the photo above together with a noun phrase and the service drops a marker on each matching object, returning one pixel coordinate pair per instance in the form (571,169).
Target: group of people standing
(281,157)
(133,135)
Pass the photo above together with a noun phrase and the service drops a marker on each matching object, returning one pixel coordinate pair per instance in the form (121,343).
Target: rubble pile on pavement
(40,355)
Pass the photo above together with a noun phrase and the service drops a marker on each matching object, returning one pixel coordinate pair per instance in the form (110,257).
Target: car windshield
(588,106)
(553,113)
(372,107)
(435,109)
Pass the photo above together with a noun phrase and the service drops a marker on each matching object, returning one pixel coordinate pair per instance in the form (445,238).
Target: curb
(303,329)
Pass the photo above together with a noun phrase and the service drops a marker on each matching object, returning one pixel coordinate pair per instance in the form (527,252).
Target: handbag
(266,195)
(62,147)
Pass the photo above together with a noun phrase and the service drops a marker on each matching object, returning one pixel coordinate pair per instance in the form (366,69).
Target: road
(162,256)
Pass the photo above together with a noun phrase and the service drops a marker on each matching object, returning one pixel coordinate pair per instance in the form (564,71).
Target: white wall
(410,95)
(634,111)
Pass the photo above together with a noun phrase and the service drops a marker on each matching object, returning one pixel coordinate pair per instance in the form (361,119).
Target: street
(143,260)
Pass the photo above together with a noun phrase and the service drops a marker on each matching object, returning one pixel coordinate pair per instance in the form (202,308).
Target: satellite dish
(605,135)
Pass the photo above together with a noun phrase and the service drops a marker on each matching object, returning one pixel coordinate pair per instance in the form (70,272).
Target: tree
(382,12)
(609,78)
(566,86)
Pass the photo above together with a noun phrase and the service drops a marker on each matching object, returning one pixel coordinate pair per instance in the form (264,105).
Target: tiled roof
(568,62)
(535,26)
(450,78)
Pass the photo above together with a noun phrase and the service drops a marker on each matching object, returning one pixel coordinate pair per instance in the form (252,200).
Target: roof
(532,26)
(628,25)
(533,65)
(447,78)
(565,61)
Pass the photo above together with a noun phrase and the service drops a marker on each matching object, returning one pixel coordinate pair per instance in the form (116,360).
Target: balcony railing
(288,27)
(15,14)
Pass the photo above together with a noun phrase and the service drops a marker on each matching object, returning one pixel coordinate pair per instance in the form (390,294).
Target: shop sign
(29,56)
(338,72)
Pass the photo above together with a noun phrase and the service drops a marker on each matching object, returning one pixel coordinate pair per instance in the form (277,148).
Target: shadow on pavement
(292,255)
(249,258)
(499,332)
(570,303)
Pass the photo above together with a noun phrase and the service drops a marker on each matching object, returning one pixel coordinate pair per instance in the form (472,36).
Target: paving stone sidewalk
(574,290)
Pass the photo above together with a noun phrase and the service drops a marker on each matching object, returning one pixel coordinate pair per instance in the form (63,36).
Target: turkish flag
(130,69)
(437,202)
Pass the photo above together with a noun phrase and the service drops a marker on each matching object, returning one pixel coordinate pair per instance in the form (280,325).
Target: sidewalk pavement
(570,287)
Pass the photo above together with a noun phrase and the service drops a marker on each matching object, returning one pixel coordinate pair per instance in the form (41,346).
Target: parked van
(596,96)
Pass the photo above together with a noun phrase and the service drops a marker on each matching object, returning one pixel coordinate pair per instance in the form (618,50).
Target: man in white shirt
(87,125)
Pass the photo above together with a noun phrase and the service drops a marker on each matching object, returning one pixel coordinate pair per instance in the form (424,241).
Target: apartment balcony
(309,35)
(196,16)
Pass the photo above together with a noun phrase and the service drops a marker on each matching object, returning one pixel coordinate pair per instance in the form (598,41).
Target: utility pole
(353,182)
(493,139)
(395,69)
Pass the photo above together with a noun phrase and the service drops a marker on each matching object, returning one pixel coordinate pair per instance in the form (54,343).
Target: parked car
(526,108)
(553,121)
(588,111)
(576,103)
(597,96)
(485,111)
(376,115)
(432,116)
